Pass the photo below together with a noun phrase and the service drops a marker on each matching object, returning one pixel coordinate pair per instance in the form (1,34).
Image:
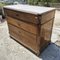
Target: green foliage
(2,4)
(42,1)
(33,2)
(58,1)
(30,1)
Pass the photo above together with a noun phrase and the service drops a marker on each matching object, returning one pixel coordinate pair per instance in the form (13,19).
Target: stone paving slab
(56,28)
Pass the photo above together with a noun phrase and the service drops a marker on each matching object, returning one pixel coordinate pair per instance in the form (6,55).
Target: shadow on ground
(52,52)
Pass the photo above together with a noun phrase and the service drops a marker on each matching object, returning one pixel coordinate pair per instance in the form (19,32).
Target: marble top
(29,8)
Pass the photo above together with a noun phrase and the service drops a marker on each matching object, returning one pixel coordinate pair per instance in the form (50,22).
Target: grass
(2,4)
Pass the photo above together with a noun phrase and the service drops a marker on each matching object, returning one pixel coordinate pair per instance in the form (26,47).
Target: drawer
(14,35)
(13,29)
(14,32)
(23,25)
(12,21)
(31,18)
(47,16)
(27,39)
(29,27)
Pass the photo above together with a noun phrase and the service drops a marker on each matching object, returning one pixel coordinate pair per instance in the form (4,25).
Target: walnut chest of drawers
(30,25)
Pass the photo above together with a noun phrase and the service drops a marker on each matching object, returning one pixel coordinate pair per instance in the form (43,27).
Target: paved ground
(11,50)
(52,52)
(56,27)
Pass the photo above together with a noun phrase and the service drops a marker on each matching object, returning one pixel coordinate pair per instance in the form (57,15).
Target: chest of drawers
(32,28)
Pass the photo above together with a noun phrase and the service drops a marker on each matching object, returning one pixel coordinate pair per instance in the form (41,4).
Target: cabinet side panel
(45,34)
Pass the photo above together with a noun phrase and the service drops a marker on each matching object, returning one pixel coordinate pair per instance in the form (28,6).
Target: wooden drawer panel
(14,35)
(22,16)
(27,39)
(47,16)
(12,21)
(14,32)
(13,29)
(26,26)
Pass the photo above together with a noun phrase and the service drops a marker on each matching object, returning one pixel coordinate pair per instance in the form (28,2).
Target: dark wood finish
(26,26)
(33,31)
(24,37)
(22,16)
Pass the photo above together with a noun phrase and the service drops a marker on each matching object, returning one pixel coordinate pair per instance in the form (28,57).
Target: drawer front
(27,39)
(14,32)
(47,16)
(12,21)
(23,16)
(28,27)
(13,29)
(14,35)
(23,25)
(46,30)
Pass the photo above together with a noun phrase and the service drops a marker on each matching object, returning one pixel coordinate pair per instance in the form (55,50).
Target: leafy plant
(43,2)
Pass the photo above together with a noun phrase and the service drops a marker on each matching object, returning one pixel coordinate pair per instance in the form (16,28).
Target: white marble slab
(29,8)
